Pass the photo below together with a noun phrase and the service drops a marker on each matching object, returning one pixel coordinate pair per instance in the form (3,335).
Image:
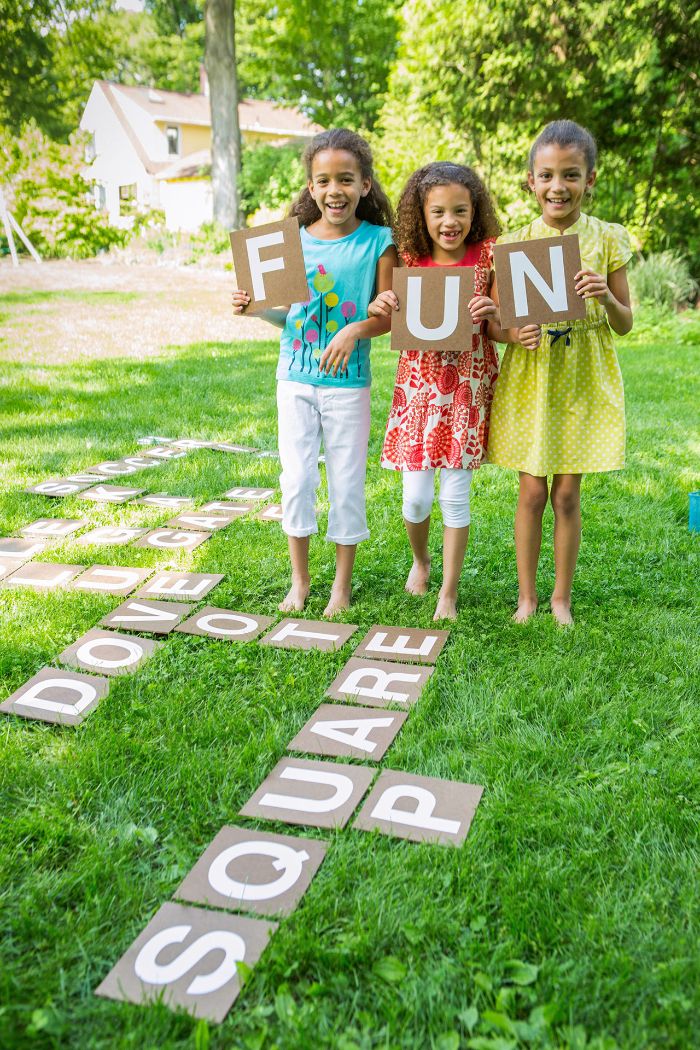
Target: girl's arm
(613,294)
(528,336)
(277,316)
(338,352)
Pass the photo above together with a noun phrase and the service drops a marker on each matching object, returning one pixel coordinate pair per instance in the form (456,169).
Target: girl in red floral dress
(440,410)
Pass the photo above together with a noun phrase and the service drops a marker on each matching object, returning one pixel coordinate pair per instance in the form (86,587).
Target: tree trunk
(220,62)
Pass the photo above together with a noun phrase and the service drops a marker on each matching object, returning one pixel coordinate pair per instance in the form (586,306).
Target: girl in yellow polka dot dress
(559,405)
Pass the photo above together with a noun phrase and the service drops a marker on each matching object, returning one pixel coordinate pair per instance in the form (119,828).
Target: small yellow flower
(332,326)
(331,299)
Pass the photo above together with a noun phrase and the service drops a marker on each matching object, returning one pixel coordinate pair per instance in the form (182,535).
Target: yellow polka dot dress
(560,409)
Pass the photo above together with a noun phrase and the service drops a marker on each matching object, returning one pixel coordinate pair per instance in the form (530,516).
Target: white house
(151,148)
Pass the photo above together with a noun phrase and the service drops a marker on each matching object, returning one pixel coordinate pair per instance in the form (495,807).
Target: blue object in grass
(694,512)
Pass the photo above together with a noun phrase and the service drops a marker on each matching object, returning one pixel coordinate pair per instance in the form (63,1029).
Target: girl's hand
(529,336)
(240,300)
(383,305)
(338,352)
(591,285)
(482,308)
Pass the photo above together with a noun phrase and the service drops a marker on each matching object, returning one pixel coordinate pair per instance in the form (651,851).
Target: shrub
(663,279)
(271,176)
(49,197)
(210,239)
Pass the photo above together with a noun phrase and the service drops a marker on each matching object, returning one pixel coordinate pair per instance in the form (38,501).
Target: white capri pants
(305,414)
(419,492)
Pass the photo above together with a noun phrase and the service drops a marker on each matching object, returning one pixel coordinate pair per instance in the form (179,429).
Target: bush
(49,197)
(210,239)
(663,279)
(271,176)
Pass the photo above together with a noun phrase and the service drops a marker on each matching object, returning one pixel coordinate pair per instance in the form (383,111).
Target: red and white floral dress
(442,401)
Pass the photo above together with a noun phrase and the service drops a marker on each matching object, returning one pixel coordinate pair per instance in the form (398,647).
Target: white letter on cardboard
(400,646)
(379,690)
(149,970)
(450,315)
(32,698)
(421,817)
(287,860)
(341,784)
(521,267)
(257,266)
(342,731)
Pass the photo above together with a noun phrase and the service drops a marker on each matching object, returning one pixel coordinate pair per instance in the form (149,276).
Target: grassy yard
(582,859)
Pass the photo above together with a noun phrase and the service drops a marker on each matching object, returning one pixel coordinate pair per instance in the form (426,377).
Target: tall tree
(220,61)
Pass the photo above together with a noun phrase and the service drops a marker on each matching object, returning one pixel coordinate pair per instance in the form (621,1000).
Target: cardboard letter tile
(271,513)
(153,439)
(378,684)
(269,264)
(309,634)
(110,536)
(162,499)
(139,614)
(192,585)
(53,527)
(254,494)
(42,576)
(432,312)
(211,622)
(111,579)
(8,565)
(187,956)
(200,522)
(536,281)
(173,539)
(422,809)
(402,644)
(245,870)
(229,446)
(87,477)
(301,791)
(191,443)
(113,469)
(233,510)
(20,550)
(106,652)
(57,696)
(166,453)
(140,462)
(348,732)
(59,487)
(110,494)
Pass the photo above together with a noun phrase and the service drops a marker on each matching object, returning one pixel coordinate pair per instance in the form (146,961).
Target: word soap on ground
(422,809)
(348,732)
(211,622)
(57,696)
(201,976)
(377,684)
(253,871)
(302,791)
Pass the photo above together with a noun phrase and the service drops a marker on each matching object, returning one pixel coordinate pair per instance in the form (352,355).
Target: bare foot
(418,577)
(446,609)
(527,607)
(338,601)
(561,611)
(296,597)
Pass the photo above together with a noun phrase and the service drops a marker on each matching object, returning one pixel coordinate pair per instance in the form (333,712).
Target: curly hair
(410,230)
(565,133)
(374,208)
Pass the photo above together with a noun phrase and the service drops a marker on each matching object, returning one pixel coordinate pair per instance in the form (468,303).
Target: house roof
(189,167)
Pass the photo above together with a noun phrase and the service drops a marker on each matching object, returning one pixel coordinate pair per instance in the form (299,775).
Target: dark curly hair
(565,133)
(410,231)
(374,208)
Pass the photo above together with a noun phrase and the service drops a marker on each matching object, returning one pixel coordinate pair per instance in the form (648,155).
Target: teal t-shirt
(341,276)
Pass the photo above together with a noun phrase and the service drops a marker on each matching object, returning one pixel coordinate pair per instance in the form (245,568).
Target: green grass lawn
(582,858)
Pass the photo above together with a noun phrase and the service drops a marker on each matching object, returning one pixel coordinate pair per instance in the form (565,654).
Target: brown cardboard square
(113,469)
(57,696)
(375,683)
(234,510)
(197,522)
(173,539)
(20,550)
(166,453)
(244,870)
(187,957)
(139,614)
(87,477)
(8,565)
(153,439)
(348,732)
(269,265)
(141,462)
(162,499)
(53,527)
(432,312)
(110,494)
(106,652)
(226,624)
(271,513)
(111,579)
(229,446)
(110,536)
(305,791)
(59,487)
(192,585)
(402,643)
(190,443)
(244,493)
(42,576)
(536,281)
(422,809)
(309,634)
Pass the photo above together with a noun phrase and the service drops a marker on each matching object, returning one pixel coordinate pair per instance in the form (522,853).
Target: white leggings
(419,493)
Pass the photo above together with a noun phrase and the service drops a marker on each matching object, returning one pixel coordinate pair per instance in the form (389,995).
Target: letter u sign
(432,312)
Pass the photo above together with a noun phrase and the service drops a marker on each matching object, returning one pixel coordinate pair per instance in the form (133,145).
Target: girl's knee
(533,498)
(455,514)
(416,508)
(566,501)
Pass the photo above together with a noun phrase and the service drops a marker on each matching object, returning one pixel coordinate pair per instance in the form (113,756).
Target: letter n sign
(269,265)
(536,281)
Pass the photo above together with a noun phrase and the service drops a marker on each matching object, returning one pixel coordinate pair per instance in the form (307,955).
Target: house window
(127,193)
(173,136)
(100,196)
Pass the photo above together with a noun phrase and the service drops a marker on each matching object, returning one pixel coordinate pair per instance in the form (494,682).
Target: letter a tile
(244,870)
(318,794)
(422,809)
(188,957)
(309,634)
(348,732)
